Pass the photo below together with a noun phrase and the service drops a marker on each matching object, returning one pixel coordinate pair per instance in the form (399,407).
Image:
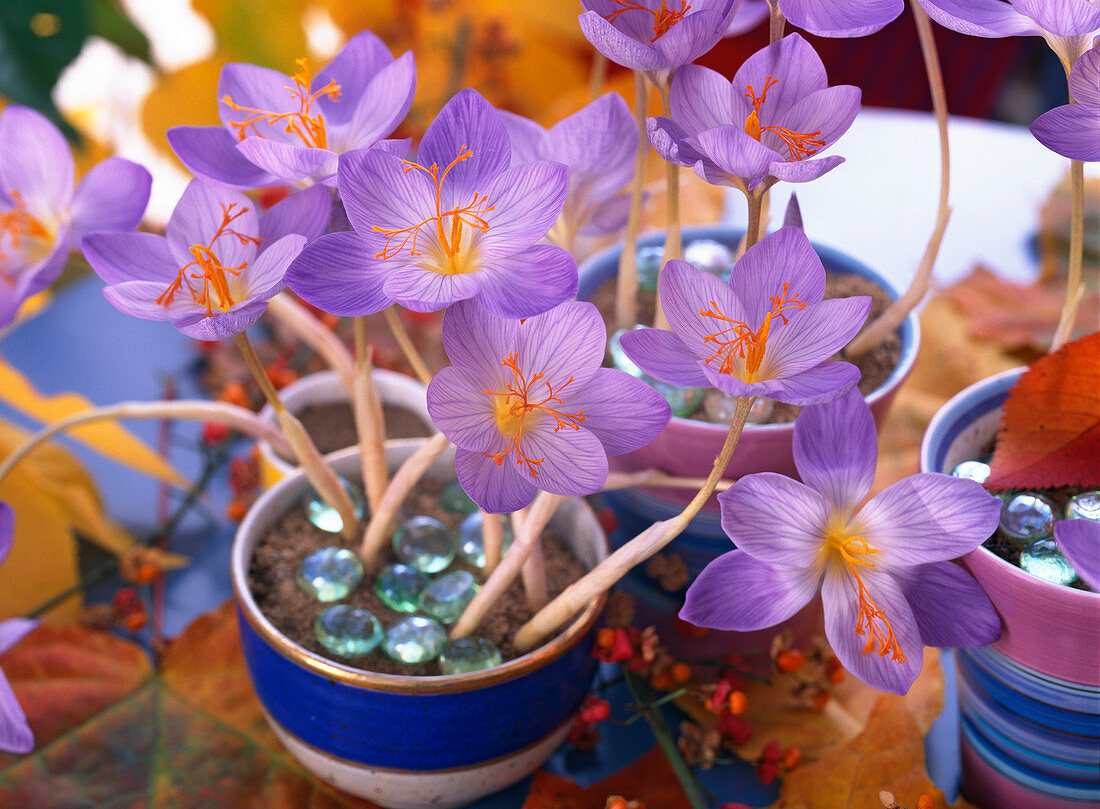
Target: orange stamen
(211,271)
(663,18)
(512,415)
(17,224)
(744,343)
(450,238)
(800,145)
(871,619)
(309,128)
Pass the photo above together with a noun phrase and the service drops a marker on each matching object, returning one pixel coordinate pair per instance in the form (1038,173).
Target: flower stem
(626,284)
(673,245)
(776,22)
(644,545)
(533,574)
(598,75)
(313,333)
(643,699)
(897,311)
(369,423)
(319,474)
(492,540)
(755,200)
(1074,289)
(401,335)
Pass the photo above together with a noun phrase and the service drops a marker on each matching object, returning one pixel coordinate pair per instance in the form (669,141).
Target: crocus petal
(466,120)
(37,164)
(775,519)
(568,341)
(927,518)
(816,385)
(672,142)
(617,46)
(529,282)
(803,171)
(427,291)
(601,138)
(738,593)
(836,450)
(1084,78)
(663,356)
(525,136)
(1079,541)
(735,152)
(951,608)
(211,153)
(398,147)
(306,213)
(339,274)
(264,276)
(1072,131)
(699,99)
(526,200)
(13,630)
(839,595)
(118,257)
(692,36)
(382,106)
(495,489)
(352,69)
(684,291)
(783,257)
(476,340)
(377,191)
(7,529)
(290,161)
(623,412)
(199,215)
(573,461)
(828,112)
(462,411)
(813,335)
(1066,18)
(258,88)
(15,733)
(222,326)
(794,67)
(851,18)
(139,299)
(112,196)
(979,18)
(605,219)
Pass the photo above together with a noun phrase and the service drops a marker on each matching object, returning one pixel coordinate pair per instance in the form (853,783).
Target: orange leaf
(1050,431)
(650,780)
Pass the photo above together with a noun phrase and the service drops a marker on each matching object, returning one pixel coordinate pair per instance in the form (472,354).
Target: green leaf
(38,40)
(107,20)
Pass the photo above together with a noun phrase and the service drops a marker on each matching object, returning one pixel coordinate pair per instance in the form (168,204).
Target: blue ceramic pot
(1029,703)
(404,741)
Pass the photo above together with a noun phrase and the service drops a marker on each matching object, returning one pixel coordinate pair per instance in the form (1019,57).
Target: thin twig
(492,539)
(311,331)
(1075,290)
(673,242)
(626,284)
(401,335)
(369,424)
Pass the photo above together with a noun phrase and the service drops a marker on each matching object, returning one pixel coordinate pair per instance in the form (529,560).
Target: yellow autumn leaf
(185,97)
(107,438)
(263,32)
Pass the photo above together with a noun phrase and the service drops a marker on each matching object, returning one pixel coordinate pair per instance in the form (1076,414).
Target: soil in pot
(292,538)
(332,425)
(875,366)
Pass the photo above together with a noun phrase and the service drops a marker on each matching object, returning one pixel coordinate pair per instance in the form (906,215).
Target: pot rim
(949,414)
(905,363)
(254,524)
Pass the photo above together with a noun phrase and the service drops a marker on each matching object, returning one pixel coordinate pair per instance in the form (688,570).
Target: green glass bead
(1043,560)
(468,654)
(446,597)
(399,587)
(324,516)
(425,543)
(455,500)
(470,545)
(329,574)
(414,639)
(347,631)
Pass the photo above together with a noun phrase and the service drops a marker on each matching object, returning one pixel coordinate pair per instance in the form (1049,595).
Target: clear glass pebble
(1043,560)
(710,256)
(683,401)
(468,654)
(446,597)
(454,499)
(649,261)
(347,631)
(414,639)
(719,407)
(470,546)
(399,586)
(324,516)
(329,574)
(1027,516)
(972,470)
(761,411)
(425,543)
(1084,506)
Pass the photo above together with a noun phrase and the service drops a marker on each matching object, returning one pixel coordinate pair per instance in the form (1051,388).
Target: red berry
(214,433)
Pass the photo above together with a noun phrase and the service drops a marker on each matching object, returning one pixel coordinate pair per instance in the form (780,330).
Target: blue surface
(80,343)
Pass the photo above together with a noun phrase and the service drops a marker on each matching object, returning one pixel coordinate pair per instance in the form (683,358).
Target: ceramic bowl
(411,742)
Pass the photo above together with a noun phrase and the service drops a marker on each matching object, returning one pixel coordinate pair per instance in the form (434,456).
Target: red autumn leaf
(1050,431)
(650,780)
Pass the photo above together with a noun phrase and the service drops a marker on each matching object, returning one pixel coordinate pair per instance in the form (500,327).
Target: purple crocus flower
(769,123)
(765,333)
(1068,26)
(15,734)
(41,216)
(277,129)
(841,18)
(529,406)
(458,224)
(1073,130)
(1079,541)
(886,583)
(598,145)
(655,35)
(217,265)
